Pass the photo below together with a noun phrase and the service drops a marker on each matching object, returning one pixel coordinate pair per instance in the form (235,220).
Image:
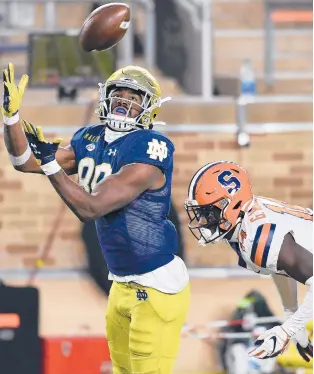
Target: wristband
(9,121)
(51,168)
(21,160)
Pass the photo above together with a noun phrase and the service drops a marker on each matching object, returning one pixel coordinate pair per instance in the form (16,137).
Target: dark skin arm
(16,144)
(113,193)
(295,260)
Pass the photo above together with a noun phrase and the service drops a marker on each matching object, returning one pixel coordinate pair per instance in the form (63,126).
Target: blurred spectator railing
(282,12)
(242,103)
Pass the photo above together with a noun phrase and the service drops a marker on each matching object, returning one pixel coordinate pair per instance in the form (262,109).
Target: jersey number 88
(90,175)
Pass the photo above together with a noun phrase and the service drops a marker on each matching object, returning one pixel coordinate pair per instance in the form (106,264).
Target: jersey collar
(111,135)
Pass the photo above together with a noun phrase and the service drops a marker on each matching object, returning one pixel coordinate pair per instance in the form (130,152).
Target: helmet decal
(229,181)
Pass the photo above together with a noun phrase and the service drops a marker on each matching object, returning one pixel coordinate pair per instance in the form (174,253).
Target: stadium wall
(280,165)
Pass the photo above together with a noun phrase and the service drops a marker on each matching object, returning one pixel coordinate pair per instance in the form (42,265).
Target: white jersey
(262,231)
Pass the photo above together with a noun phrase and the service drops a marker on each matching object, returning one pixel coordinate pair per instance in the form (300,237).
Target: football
(105,27)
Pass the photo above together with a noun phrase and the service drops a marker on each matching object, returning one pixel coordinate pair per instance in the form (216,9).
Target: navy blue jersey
(137,238)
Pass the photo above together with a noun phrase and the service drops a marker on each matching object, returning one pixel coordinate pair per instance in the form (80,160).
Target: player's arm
(288,292)
(22,157)
(113,193)
(297,262)
(15,141)
(287,288)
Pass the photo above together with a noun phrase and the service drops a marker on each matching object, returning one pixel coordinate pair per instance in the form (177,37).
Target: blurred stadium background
(240,75)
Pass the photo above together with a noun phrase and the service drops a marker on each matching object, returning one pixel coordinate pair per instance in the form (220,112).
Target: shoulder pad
(147,146)
(90,133)
(262,243)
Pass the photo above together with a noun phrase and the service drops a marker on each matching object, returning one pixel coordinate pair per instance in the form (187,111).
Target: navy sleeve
(76,143)
(148,147)
(76,138)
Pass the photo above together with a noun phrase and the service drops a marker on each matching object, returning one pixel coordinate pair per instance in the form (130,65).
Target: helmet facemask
(207,222)
(226,186)
(123,122)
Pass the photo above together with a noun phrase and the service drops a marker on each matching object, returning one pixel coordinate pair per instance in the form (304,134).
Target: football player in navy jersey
(124,171)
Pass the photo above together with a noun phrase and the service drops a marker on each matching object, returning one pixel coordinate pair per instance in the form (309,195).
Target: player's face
(209,217)
(126,102)
(204,221)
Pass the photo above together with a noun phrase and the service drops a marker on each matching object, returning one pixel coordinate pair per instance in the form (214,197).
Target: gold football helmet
(144,84)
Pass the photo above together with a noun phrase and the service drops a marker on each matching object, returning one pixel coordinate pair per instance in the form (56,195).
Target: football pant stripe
(261,244)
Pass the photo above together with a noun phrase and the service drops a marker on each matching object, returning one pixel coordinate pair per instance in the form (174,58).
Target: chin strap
(165,99)
(159,123)
(162,101)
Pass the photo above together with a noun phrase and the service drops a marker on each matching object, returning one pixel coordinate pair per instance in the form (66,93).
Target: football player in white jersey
(269,236)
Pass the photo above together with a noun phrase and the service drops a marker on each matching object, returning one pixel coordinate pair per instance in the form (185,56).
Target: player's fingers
(309,349)
(23,125)
(302,354)
(30,128)
(40,134)
(5,75)
(251,352)
(6,89)
(23,83)
(306,352)
(57,141)
(11,72)
(261,354)
(258,352)
(259,341)
(305,357)
(25,128)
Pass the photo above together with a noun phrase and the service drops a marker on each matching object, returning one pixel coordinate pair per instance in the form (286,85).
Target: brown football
(105,27)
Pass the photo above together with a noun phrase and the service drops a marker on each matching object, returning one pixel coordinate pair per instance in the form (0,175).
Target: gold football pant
(144,327)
